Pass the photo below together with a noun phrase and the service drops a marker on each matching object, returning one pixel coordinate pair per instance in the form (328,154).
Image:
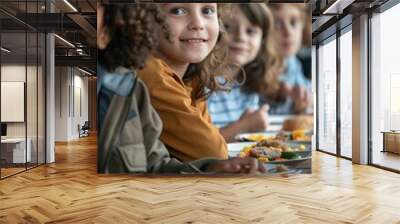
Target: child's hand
(284,91)
(301,98)
(238,165)
(255,120)
(298,93)
(250,121)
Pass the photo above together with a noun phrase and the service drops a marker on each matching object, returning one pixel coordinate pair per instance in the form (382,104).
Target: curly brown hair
(215,64)
(262,72)
(132,34)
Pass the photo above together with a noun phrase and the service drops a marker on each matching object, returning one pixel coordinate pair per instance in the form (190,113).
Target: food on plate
(281,136)
(258,137)
(297,135)
(266,151)
(301,122)
(264,137)
(300,135)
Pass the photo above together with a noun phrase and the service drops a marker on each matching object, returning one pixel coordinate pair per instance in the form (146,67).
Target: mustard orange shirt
(187,128)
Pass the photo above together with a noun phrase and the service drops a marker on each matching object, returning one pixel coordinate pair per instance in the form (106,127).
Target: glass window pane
(14,147)
(386,88)
(346,94)
(327,96)
(23,84)
(13,87)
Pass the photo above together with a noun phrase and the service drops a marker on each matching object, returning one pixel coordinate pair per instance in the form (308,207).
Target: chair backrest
(86,124)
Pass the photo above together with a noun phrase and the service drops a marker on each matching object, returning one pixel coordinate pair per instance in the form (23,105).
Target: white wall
(80,111)
(13,73)
(61,103)
(71,93)
(12,101)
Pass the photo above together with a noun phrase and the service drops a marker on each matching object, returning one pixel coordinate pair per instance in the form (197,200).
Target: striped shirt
(227,107)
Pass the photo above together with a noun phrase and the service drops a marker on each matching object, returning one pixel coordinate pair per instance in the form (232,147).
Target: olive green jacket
(129,136)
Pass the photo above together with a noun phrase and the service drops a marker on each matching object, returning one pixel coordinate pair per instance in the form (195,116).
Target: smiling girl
(180,76)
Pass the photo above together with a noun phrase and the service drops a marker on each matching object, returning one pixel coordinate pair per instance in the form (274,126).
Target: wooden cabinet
(391,141)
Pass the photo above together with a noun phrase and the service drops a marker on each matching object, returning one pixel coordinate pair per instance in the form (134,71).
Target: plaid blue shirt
(227,107)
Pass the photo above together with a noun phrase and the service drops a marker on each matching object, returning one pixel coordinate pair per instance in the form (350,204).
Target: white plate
(289,160)
(241,137)
(235,148)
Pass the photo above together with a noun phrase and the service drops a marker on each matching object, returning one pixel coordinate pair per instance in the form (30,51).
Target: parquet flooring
(9,171)
(386,159)
(70,191)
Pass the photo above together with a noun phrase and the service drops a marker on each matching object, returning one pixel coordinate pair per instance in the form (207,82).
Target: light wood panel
(70,191)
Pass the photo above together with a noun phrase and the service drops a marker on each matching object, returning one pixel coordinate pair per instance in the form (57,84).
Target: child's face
(244,38)
(288,29)
(194,31)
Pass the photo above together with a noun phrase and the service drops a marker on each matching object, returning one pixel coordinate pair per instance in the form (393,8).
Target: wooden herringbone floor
(70,191)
